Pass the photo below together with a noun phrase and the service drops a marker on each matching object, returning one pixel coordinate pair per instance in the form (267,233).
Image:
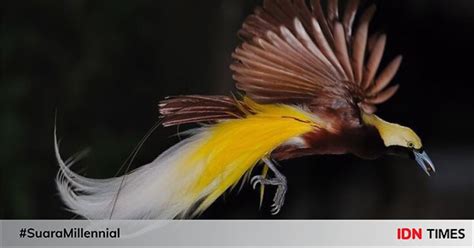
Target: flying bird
(309,82)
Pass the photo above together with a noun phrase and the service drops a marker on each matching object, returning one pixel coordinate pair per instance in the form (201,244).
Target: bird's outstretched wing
(295,53)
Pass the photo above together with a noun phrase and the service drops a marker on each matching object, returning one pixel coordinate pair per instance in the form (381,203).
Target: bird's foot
(282,187)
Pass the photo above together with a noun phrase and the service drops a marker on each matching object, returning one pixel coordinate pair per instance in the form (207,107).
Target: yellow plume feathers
(234,146)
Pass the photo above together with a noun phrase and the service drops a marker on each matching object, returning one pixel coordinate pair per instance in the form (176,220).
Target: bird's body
(363,142)
(310,87)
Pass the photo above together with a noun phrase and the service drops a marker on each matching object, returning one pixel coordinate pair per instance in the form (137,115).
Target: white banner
(235,233)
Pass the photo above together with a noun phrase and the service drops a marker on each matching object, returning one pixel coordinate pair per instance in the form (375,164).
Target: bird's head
(401,141)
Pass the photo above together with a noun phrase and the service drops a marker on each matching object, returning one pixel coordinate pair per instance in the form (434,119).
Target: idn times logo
(405,233)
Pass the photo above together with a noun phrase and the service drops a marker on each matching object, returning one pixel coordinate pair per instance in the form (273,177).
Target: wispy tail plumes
(155,190)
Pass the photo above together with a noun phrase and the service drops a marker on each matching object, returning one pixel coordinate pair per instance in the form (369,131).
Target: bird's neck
(388,131)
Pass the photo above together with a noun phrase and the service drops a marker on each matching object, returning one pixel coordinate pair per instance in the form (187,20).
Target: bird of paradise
(310,85)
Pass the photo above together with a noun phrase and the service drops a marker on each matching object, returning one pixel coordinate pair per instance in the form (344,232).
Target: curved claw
(254,185)
(275,211)
(256,180)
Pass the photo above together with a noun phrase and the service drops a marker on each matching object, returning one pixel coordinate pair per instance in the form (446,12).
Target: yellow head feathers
(393,134)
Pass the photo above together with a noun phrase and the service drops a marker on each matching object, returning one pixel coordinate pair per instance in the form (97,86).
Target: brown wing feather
(373,62)
(333,11)
(384,95)
(179,110)
(386,76)
(359,44)
(341,50)
(295,53)
(348,18)
(318,13)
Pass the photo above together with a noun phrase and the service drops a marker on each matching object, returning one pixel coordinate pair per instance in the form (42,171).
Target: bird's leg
(279,180)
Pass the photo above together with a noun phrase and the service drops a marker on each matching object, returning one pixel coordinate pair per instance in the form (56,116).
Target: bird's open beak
(424,161)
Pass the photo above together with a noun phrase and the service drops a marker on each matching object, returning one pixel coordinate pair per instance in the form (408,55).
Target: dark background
(104,65)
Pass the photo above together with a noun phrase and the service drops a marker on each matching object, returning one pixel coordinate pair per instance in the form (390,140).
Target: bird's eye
(411,145)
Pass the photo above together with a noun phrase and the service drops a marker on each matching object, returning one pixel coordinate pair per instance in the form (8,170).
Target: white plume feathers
(153,191)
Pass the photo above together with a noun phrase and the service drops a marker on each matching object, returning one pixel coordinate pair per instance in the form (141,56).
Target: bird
(307,81)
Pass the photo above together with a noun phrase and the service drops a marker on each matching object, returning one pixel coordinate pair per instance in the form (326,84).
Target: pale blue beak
(424,161)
